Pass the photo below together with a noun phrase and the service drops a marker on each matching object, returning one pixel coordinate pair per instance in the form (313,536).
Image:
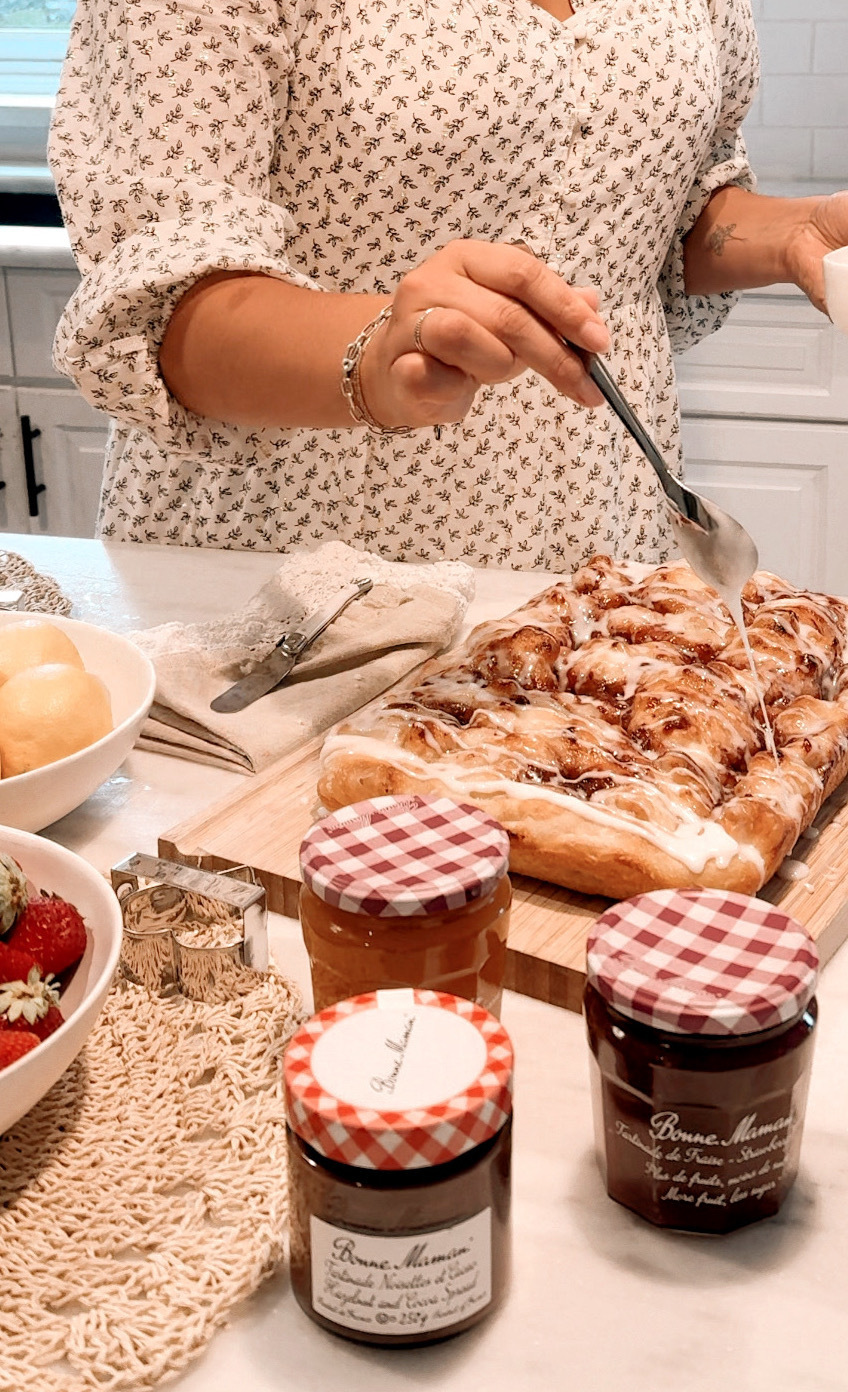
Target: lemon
(49,712)
(32,643)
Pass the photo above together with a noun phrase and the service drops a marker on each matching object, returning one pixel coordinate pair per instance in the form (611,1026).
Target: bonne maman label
(402,1285)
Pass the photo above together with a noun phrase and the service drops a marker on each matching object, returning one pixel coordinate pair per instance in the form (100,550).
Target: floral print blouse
(335,143)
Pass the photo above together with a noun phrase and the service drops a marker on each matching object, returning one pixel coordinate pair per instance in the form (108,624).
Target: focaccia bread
(613,725)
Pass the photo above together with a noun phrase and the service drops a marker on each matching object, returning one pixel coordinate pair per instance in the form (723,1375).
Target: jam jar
(399,1107)
(409,891)
(700,1014)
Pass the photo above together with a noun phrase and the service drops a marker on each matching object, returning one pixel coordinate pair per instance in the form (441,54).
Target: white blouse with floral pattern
(335,143)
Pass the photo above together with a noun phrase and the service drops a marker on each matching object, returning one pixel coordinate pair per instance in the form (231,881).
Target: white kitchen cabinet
(67,459)
(6,364)
(787,483)
(13,499)
(36,301)
(765,432)
(53,442)
(776,357)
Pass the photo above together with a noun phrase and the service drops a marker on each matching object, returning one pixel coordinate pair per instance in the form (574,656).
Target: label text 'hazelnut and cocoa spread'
(399,1109)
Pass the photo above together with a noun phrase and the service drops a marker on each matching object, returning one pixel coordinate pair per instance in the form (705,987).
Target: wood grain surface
(263,822)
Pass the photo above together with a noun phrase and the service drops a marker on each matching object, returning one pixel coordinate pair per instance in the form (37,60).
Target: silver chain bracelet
(351,385)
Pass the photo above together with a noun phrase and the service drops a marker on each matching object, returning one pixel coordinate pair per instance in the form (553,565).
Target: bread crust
(557,845)
(482,722)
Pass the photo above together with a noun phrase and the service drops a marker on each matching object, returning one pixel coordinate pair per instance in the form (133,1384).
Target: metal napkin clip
(189,930)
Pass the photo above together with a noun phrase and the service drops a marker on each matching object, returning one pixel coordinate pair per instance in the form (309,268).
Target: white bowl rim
(68,760)
(81,866)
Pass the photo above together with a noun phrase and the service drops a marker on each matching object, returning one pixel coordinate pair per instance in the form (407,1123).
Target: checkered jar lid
(398,1080)
(702,961)
(404,857)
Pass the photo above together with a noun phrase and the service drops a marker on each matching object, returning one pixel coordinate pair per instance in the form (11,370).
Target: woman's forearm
(252,350)
(744,239)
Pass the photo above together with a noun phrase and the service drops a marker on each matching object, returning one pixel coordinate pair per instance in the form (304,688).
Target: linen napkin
(412,612)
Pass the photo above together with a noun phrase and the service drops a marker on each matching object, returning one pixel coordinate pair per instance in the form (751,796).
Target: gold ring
(416,332)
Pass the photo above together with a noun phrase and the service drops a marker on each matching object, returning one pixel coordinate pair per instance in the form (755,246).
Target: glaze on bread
(613,726)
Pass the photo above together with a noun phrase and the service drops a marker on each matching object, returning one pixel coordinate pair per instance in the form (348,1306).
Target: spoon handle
(687,503)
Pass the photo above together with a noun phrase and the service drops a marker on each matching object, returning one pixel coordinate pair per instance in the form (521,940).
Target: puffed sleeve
(691,317)
(161,146)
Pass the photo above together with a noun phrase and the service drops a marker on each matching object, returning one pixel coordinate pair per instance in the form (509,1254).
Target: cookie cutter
(188,930)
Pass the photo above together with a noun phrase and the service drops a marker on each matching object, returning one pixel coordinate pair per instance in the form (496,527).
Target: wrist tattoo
(720,236)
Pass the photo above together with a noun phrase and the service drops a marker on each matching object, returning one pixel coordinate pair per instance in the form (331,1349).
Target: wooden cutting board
(263,822)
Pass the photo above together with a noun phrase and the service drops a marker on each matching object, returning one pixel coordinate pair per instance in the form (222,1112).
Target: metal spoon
(717,547)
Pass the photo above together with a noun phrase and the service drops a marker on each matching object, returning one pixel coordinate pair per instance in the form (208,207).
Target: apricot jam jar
(409,891)
(399,1108)
(700,1014)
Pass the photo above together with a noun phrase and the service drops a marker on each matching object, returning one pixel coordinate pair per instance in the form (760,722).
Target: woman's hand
(824,229)
(492,312)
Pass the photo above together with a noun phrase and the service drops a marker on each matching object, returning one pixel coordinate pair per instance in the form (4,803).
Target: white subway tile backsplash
(811,101)
(830,155)
(755,113)
(779,152)
(788,48)
(830,50)
(802,9)
(798,127)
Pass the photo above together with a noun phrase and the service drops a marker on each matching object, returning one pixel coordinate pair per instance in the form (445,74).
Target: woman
(250,188)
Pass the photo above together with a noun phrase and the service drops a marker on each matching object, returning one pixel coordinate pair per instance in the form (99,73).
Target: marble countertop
(36,248)
(599,1301)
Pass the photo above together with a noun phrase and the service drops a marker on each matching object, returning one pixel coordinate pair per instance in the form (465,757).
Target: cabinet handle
(28,434)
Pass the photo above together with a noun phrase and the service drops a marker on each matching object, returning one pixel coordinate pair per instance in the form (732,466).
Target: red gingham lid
(398,1080)
(702,961)
(400,857)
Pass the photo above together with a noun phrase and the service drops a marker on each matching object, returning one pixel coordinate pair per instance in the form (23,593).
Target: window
(33,39)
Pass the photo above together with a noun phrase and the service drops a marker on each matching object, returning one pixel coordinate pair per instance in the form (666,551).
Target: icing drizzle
(631,701)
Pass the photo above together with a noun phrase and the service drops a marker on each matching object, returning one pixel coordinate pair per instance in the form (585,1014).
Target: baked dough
(613,725)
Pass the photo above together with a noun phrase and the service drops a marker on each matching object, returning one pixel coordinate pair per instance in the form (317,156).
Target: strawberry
(41,1028)
(52,931)
(30,1005)
(14,1044)
(14,891)
(14,965)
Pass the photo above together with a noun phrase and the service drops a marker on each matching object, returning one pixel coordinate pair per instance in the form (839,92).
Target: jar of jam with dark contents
(399,1107)
(700,1013)
(409,891)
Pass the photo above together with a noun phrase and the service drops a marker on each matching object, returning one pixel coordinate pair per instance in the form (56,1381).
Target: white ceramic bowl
(54,869)
(34,800)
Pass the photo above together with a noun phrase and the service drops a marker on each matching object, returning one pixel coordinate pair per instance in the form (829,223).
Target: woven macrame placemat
(41,594)
(146,1193)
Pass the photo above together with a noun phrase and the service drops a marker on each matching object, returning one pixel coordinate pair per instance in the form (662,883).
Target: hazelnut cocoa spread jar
(399,1107)
(700,1014)
(409,891)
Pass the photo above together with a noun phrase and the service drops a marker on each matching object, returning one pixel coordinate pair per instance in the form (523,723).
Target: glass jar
(700,1015)
(407,891)
(399,1107)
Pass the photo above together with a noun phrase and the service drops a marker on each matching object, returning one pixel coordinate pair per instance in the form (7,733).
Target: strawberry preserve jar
(409,891)
(399,1107)
(700,1013)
